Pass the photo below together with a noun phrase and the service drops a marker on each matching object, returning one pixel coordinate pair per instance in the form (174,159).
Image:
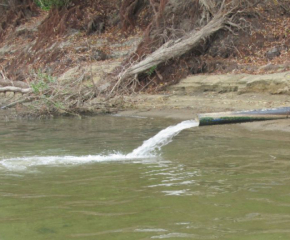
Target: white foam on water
(148,149)
(22,163)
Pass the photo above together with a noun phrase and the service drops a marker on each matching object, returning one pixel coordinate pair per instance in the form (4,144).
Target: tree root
(173,49)
(217,16)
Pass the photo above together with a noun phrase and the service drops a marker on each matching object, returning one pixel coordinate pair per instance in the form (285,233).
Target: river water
(75,179)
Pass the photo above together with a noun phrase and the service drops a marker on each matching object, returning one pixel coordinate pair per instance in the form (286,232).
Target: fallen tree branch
(174,49)
(15,89)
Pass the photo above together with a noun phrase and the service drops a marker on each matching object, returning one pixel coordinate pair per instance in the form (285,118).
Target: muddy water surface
(220,182)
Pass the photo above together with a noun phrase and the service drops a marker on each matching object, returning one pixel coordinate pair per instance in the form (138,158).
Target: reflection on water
(219,182)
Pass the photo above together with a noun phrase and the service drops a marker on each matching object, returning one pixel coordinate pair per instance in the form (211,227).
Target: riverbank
(201,93)
(185,107)
(216,93)
(77,68)
(197,94)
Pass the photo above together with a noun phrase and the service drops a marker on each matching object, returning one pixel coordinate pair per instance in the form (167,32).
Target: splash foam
(148,149)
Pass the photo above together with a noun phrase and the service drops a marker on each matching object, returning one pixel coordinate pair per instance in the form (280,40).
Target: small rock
(272,53)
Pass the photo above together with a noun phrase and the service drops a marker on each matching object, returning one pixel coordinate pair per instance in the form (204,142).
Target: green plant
(151,70)
(42,82)
(48,4)
(39,86)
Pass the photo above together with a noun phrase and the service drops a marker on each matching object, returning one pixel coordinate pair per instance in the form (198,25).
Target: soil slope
(68,56)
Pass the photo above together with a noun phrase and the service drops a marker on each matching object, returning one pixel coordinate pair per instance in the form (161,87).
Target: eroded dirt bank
(71,60)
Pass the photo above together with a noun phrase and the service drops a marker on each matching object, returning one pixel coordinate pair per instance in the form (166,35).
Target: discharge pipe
(243,116)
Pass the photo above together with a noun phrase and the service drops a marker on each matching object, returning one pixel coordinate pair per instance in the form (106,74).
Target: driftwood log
(15,89)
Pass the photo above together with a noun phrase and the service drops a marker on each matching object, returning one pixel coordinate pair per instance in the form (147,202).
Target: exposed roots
(168,38)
